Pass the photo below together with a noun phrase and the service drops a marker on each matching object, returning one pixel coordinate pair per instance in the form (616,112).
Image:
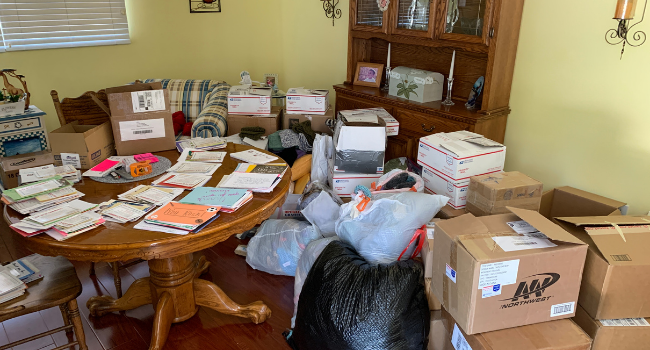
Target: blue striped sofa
(204,102)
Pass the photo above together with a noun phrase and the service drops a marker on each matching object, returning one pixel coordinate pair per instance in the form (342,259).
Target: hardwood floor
(131,330)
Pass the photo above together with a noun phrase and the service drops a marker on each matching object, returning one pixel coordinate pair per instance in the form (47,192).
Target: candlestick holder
(386,86)
(448,101)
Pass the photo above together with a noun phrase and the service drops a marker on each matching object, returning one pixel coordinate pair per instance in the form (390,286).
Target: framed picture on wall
(368,74)
(205,6)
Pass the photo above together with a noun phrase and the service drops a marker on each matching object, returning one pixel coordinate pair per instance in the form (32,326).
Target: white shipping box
(247,100)
(343,184)
(307,101)
(435,183)
(360,146)
(289,209)
(460,155)
(392,125)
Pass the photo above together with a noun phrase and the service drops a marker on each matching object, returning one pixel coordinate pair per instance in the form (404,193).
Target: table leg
(138,294)
(210,295)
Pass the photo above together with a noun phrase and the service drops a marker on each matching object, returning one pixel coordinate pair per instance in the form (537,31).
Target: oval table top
(120,242)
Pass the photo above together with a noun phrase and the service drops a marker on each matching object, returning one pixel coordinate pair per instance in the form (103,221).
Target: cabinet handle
(429,129)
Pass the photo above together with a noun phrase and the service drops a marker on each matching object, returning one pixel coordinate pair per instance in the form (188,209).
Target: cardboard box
(243,99)
(554,335)
(434,303)
(488,286)
(460,155)
(93,143)
(569,201)
(447,212)
(491,194)
(429,85)
(435,183)
(306,101)
(617,271)
(10,166)
(625,334)
(359,146)
(289,209)
(318,122)
(141,118)
(392,125)
(437,332)
(270,122)
(343,184)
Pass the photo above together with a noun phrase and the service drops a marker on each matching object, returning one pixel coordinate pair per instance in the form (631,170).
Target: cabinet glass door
(466,20)
(368,16)
(413,17)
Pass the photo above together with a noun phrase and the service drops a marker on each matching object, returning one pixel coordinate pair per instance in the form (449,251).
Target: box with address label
(502,271)
(618,334)
(141,118)
(247,100)
(617,270)
(307,101)
(82,146)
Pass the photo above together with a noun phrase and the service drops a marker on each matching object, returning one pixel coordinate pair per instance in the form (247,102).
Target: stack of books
(253,156)
(67,172)
(64,219)
(25,270)
(184,181)
(201,143)
(183,216)
(40,195)
(195,155)
(228,199)
(124,211)
(150,194)
(11,287)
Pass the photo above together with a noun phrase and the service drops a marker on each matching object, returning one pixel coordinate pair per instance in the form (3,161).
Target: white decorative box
(12,108)
(23,133)
(416,85)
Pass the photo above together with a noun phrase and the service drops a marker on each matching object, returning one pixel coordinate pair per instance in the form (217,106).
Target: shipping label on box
(502,278)
(245,100)
(307,101)
(392,125)
(462,154)
(436,183)
(290,209)
(10,166)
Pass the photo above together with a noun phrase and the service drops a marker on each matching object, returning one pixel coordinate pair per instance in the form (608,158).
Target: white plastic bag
(419,183)
(384,229)
(305,263)
(278,245)
(322,152)
(322,212)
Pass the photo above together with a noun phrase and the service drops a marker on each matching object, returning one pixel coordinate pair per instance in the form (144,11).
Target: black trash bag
(346,303)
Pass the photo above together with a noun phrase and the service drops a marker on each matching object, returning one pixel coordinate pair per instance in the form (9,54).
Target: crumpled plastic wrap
(348,304)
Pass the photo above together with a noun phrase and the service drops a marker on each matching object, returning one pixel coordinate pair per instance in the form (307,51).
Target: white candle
(388,63)
(451,70)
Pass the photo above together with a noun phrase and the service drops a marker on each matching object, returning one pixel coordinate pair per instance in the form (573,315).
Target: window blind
(45,24)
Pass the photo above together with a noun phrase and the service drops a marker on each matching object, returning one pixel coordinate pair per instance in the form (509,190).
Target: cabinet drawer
(424,124)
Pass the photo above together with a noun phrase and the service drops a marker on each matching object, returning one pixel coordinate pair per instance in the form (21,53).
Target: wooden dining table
(173,287)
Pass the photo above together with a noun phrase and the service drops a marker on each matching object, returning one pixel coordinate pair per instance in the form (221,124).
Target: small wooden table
(173,286)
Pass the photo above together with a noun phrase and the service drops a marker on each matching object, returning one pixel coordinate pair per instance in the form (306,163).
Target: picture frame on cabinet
(368,74)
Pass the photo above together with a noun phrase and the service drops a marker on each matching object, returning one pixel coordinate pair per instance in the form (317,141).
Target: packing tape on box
(446,286)
(618,229)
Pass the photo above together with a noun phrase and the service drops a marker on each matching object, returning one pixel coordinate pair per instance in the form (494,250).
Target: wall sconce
(330,9)
(624,15)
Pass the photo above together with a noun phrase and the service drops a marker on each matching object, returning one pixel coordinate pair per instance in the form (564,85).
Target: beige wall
(579,113)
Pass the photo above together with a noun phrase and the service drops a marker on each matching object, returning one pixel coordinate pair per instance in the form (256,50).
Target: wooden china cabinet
(423,35)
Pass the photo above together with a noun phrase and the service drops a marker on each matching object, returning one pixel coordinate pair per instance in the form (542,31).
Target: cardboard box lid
(475,233)
(308,92)
(568,201)
(464,143)
(621,240)
(506,180)
(134,87)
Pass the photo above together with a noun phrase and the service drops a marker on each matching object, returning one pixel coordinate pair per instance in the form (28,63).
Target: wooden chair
(87,111)
(59,287)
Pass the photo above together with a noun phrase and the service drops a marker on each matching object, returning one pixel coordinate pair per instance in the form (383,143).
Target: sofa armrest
(212,119)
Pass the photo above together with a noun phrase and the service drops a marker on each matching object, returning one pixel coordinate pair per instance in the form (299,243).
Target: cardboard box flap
(134,87)
(622,245)
(607,220)
(545,226)
(591,196)
(462,225)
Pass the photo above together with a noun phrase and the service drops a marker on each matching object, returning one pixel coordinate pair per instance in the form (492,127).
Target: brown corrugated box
(10,166)
(121,110)
(270,123)
(490,194)
(437,332)
(617,270)
(93,143)
(317,121)
(553,335)
(569,201)
(447,212)
(623,337)
(486,288)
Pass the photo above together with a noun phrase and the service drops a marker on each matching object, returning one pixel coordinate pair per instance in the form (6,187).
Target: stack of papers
(75,225)
(253,156)
(278,169)
(67,172)
(183,216)
(123,211)
(151,194)
(44,201)
(105,167)
(25,270)
(11,287)
(194,168)
(194,155)
(264,183)
(62,214)
(201,143)
(184,181)
(227,198)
